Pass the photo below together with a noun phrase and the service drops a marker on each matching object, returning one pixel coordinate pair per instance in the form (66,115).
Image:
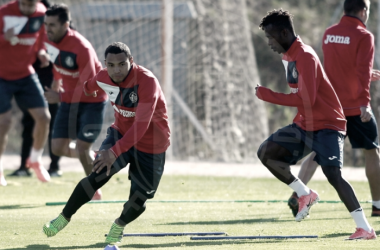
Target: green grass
(23,212)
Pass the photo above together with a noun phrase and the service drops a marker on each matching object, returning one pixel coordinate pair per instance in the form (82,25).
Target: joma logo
(337,39)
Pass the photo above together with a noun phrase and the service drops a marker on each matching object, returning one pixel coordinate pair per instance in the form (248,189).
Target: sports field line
(195,201)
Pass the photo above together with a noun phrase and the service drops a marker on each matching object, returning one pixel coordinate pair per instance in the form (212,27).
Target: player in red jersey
(79,117)
(21,31)
(348,49)
(319,125)
(139,136)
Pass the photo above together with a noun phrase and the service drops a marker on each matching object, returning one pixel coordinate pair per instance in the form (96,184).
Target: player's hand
(365,115)
(93,94)
(257,86)
(57,86)
(44,58)
(104,158)
(51,96)
(10,36)
(375,75)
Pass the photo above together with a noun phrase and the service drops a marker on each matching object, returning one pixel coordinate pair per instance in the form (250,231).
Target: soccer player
(139,136)
(21,32)
(319,125)
(45,75)
(79,116)
(348,49)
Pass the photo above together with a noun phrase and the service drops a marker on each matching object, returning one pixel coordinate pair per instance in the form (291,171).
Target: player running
(21,32)
(348,49)
(139,136)
(319,125)
(79,117)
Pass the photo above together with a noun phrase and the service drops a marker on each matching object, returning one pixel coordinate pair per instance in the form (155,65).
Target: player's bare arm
(375,75)
(105,158)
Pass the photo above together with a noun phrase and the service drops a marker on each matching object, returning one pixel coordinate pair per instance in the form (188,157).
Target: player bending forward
(139,136)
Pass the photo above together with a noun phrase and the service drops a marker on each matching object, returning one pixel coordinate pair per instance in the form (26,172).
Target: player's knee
(82,147)
(333,174)
(263,151)
(42,118)
(5,122)
(57,149)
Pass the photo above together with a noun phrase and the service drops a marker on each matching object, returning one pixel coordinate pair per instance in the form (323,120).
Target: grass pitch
(23,212)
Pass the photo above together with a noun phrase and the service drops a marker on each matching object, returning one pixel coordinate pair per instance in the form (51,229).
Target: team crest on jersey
(36,25)
(69,61)
(133,97)
(295,73)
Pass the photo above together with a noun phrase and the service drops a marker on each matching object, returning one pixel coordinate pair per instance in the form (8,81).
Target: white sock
(376,204)
(360,219)
(1,165)
(36,155)
(299,187)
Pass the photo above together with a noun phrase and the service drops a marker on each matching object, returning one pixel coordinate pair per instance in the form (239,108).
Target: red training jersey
(348,49)
(16,60)
(75,61)
(140,110)
(311,92)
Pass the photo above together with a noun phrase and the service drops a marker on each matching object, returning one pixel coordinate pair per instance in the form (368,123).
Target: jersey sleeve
(364,62)
(90,86)
(2,37)
(87,64)
(307,86)
(148,94)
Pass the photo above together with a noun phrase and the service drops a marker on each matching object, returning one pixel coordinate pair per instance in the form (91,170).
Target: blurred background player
(45,75)
(318,126)
(21,27)
(348,49)
(79,117)
(140,136)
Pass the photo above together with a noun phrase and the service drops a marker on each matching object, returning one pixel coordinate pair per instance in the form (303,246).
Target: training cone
(110,247)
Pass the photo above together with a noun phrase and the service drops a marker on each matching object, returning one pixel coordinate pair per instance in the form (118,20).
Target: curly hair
(281,19)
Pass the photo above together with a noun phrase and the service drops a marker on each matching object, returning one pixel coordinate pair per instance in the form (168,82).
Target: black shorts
(81,121)
(362,134)
(27,92)
(145,170)
(327,143)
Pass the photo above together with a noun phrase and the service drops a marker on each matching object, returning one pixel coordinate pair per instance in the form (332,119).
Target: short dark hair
(61,10)
(281,19)
(352,7)
(116,48)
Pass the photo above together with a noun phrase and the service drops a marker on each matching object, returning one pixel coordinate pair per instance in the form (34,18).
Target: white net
(216,115)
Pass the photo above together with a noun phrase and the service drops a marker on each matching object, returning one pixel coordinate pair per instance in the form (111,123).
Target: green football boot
(53,227)
(115,235)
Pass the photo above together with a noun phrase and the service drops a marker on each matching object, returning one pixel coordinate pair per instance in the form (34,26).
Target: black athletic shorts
(327,143)
(362,134)
(145,170)
(27,91)
(81,121)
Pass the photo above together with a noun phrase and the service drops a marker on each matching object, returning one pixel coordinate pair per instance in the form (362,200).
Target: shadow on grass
(19,206)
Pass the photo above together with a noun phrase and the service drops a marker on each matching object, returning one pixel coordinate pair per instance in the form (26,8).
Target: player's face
(274,39)
(118,66)
(54,28)
(27,7)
